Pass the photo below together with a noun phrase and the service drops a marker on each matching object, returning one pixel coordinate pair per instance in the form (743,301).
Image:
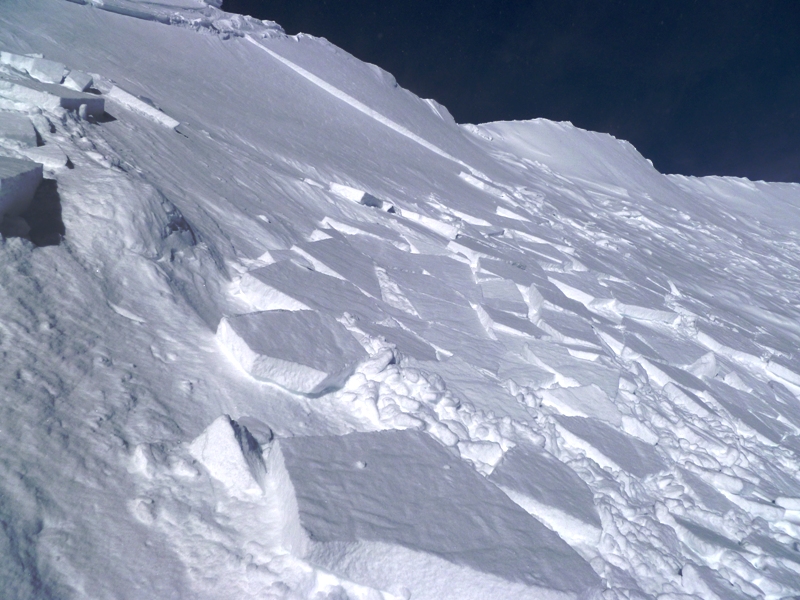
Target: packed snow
(271,326)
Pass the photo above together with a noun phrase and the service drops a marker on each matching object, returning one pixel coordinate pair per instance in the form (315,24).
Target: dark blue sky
(699,87)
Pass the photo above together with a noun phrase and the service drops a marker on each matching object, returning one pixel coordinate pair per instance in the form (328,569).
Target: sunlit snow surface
(586,373)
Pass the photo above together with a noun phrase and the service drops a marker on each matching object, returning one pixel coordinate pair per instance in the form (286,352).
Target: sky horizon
(706,88)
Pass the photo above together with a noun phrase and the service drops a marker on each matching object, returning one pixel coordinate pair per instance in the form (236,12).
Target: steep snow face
(272,326)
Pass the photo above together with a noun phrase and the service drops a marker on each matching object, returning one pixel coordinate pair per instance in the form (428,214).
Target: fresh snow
(271,326)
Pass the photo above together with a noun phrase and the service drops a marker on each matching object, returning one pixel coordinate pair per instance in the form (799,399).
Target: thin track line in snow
(360,106)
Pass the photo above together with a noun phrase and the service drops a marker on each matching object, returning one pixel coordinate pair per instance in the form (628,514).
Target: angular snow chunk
(503,294)
(47,71)
(50,96)
(302,351)
(551,491)
(358,196)
(444,229)
(567,327)
(18,182)
(502,321)
(133,103)
(50,156)
(345,261)
(232,456)
(17,127)
(405,341)
(312,289)
(254,474)
(583,401)
(610,447)
(263,297)
(78,81)
(708,494)
(17,61)
(504,212)
(751,410)
(395,508)
(582,372)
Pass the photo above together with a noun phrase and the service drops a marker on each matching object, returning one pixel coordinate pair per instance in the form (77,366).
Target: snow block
(551,491)
(78,81)
(504,322)
(18,182)
(286,285)
(133,103)
(47,71)
(232,456)
(50,96)
(250,473)
(358,196)
(51,156)
(503,294)
(19,62)
(301,351)
(610,447)
(17,127)
(344,261)
(394,509)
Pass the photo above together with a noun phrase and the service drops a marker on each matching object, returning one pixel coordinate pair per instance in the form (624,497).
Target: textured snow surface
(273,327)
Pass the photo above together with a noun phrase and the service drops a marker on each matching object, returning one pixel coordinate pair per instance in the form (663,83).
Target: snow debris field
(271,326)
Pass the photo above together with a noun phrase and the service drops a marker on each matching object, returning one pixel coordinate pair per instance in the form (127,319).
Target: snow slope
(274,327)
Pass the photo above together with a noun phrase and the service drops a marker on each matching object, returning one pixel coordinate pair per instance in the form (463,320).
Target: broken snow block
(395,509)
(503,294)
(17,127)
(51,156)
(359,196)
(344,261)
(551,491)
(47,71)
(582,401)
(250,473)
(610,447)
(302,351)
(232,456)
(19,62)
(18,182)
(78,81)
(137,105)
(503,322)
(50,96)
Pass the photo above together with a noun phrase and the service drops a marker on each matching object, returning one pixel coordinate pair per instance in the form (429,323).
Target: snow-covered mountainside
(273,327)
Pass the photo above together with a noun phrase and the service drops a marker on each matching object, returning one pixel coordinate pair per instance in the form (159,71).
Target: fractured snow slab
(17,127)
(133,103)
(345,261)
(285,284)
(18,182)
(501,321)
(46,71)
(551,491)
(50,96)
(394,509)
(51,156)
(504,295)
(358,196)
(301,351)
(232,456)
(610,447)
(582,401)
(78,81)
